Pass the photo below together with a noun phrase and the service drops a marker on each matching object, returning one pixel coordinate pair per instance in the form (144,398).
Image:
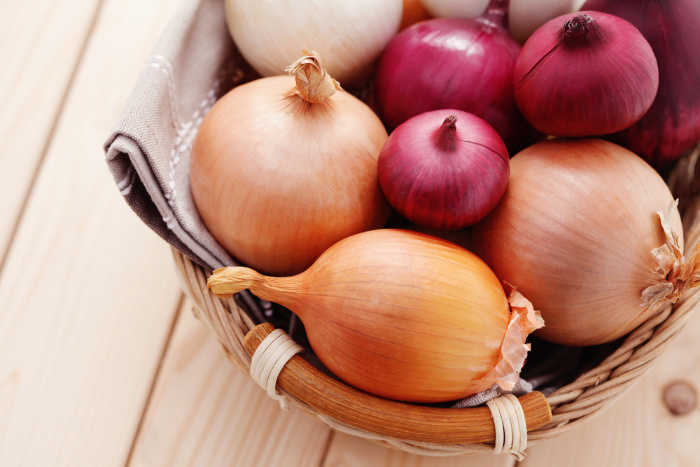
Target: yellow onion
(402,315)
(590,233)
(283,167)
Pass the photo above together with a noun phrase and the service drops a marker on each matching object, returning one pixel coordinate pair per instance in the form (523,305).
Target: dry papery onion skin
(590,233)
(402,315)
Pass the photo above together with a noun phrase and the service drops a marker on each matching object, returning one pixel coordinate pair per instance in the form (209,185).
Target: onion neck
(446,135)
(225,282)
(496,14)
(581,30)
(313,83)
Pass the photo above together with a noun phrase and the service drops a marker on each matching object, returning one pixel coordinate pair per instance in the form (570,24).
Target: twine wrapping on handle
(268,360)
(511,430)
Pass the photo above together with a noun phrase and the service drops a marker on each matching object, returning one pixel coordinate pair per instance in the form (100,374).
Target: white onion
(348,35)
(524,15)
(455,8)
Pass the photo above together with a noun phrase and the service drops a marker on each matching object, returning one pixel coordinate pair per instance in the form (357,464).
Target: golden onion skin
(277,180)
(401,315)
(575,233)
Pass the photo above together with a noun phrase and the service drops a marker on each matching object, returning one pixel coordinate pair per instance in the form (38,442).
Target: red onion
(454,63)
(672,124)
(583,74)
(444,169)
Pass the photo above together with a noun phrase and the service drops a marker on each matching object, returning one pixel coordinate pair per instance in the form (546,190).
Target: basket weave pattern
(572,404)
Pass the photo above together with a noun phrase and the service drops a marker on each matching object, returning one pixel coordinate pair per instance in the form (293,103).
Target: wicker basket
(195,59)
(427,430)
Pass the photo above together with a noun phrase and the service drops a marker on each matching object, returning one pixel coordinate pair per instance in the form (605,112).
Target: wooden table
(101,360)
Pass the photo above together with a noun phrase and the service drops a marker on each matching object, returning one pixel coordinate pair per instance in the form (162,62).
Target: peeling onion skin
(402,315)
(574,233)
(671,127)
(271,181)
(444,169)
(585,74)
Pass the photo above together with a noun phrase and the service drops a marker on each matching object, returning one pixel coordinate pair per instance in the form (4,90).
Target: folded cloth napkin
(521,388)
(148,153)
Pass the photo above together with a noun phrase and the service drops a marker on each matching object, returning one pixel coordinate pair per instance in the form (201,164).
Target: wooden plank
(206,412)
(88,293)
(638,429)
(351,451)
(42,43)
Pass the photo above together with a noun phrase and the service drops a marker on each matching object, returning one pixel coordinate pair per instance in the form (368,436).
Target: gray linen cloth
(193,64)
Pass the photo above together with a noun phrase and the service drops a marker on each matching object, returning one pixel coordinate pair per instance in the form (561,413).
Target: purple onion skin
(672,125)
(585,74)
(451,63)
(444,169)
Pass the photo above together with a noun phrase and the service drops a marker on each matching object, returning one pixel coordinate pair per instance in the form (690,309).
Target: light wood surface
(639,429)
(101,360)
(204,412)
(87,297)
(39,56)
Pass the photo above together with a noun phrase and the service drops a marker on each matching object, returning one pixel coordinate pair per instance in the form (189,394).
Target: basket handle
(389,418)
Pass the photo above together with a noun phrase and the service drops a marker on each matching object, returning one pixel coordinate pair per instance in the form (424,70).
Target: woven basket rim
(571,405)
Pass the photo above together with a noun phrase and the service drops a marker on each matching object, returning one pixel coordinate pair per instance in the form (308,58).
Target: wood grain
(87,293)
(351,451)
(205,412)
(389,418)
(638,429)
(42,44)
